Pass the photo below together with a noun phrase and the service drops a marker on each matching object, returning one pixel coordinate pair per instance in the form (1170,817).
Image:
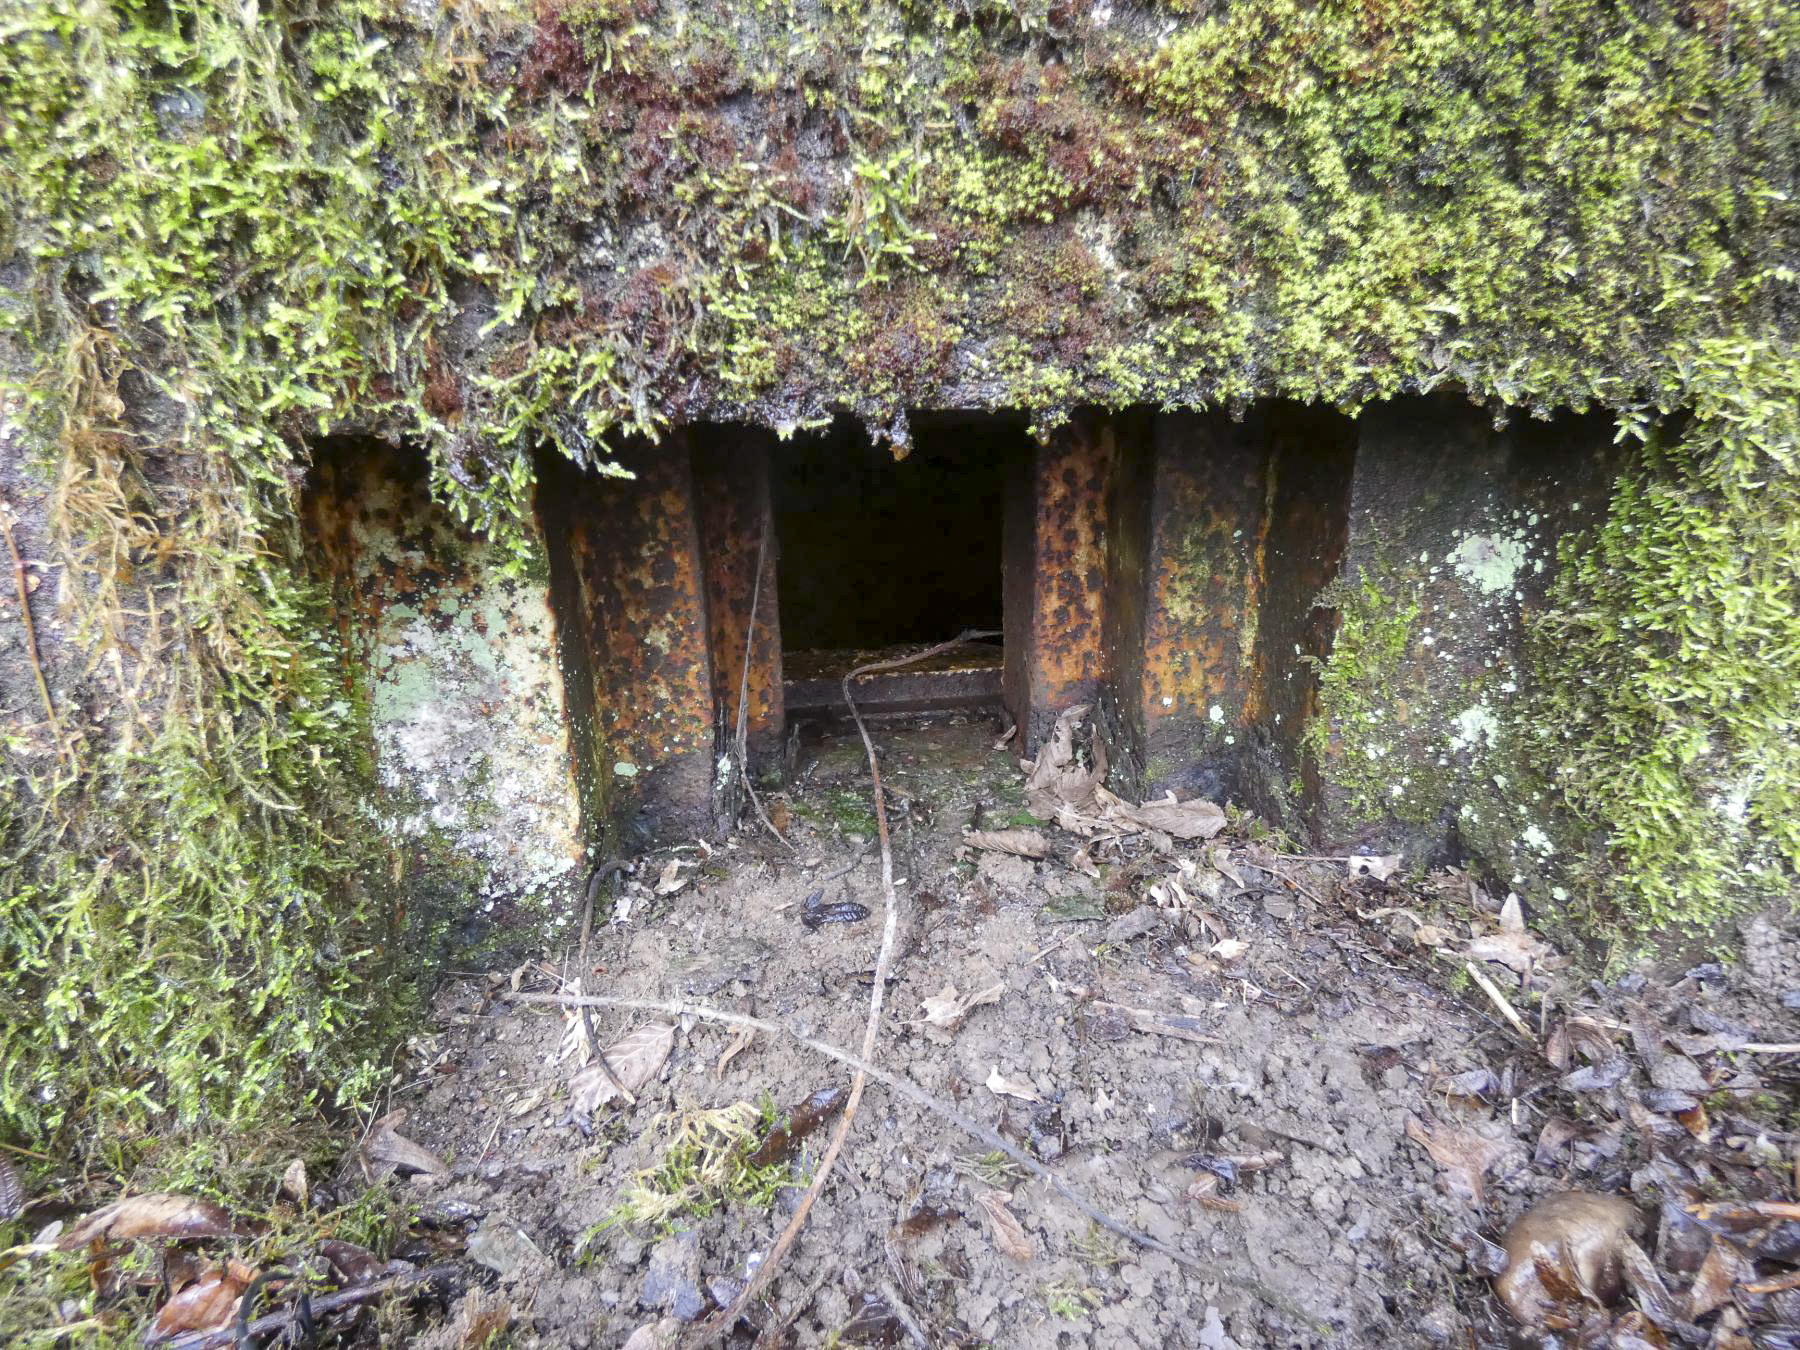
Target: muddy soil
(1215,1045)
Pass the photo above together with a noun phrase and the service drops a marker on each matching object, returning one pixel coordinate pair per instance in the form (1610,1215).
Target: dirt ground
(1263,1063)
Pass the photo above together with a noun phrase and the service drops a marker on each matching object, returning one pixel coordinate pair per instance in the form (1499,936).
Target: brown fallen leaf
(739,1043)
(206,1304)
(636,1059)
(1724,1267)
(1564,1252)
(1009,1234)
(948,1008)
(357,1265)
(158,1215)
(1228,949)
(1056,779)
(1002,1086)
(1195,819)
(1463,1156)
(1019,843)
(781,1142)
(387,1145)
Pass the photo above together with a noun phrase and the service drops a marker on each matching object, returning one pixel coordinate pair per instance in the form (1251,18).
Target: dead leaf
(1001,1086)
(947,1009)
(1369,865)
(1219,858)
(1512,947)
(1517,951)
(1009,1234)
(357,1265)
(1724,1267)
(636,1059)
(208,1303)
(157,1215)
(1056,779)
(1563,1252)
(12,1191)
(1462,1155)
(671,879)
(1195,819)
(387,1145)
(293,1183)
(1019,843)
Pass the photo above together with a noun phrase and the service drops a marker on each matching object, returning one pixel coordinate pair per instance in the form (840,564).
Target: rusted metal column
(731,487)
(1311,455)
(1205,537)
(634,625)
(1055,574)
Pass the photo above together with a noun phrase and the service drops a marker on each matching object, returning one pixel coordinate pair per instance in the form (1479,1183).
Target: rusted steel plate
(731,487)
(1209,512)
(1055,565)
(633,547)
(1311,455)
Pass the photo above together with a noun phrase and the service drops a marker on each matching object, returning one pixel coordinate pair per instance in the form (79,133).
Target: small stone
(672,1282)
(504,1249)
(1674,1073)
(1213,1335)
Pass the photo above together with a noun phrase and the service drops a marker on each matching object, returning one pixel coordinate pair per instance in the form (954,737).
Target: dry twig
(289,1317)
(742,737)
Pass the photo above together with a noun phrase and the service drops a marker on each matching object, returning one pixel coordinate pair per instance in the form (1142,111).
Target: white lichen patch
(1490,562)
(466,696)
(1476,729)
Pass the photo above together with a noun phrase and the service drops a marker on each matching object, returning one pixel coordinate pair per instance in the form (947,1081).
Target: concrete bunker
(1314,616)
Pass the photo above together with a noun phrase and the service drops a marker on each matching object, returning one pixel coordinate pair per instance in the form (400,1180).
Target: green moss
(1352,735)
(1668,703)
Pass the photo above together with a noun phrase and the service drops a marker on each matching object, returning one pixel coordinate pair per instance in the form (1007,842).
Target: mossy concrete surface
(453,645)
(1454,531)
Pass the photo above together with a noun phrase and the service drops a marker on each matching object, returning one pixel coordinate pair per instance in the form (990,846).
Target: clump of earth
(1278,1070)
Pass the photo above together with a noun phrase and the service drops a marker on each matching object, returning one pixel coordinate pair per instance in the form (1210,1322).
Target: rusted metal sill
(967,678)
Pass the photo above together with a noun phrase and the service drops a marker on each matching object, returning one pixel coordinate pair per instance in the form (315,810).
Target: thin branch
(743,708)
(595,1049)
(330,1303)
